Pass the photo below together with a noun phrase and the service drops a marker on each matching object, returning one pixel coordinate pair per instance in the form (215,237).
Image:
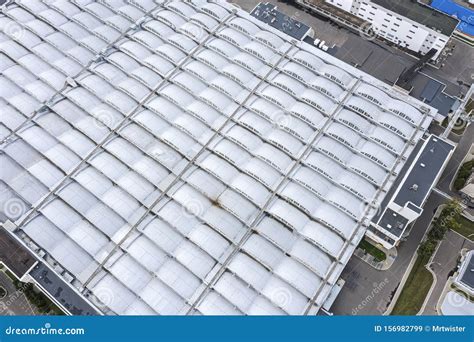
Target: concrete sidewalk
(443,264)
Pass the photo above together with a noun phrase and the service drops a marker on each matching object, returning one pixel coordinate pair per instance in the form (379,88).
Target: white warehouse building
(179,158)
(407,23)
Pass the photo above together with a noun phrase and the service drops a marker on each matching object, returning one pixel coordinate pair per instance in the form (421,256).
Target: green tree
(453,209)
(427,248)
(437,232)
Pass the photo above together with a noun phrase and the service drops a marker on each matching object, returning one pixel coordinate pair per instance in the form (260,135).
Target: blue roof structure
(464,14)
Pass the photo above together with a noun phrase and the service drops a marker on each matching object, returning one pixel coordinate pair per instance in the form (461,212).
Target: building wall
(404,211)
(346,5)
(393,27)
(381,240)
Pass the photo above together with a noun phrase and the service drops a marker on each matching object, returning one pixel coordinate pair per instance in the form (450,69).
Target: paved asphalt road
(15,303)
(444,263)
(460,152)
(373,289)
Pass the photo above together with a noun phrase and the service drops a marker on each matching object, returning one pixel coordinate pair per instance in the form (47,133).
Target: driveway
(463,147)
(444,262)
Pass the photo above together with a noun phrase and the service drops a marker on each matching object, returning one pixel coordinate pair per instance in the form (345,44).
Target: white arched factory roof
(225,161)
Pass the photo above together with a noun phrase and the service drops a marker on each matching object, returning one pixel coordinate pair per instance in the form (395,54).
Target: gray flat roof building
(269,14)
(393,222)
(465,278)
(427,167)
(398,181)
(61,292)
(405,200)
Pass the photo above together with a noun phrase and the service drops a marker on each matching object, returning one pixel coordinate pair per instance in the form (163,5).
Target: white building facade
(390,24)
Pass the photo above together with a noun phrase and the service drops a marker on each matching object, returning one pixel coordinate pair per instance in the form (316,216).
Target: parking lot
(444,263)
(15,302)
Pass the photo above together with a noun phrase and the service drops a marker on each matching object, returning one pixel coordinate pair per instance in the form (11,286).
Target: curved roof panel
(269,39)
(204,20)
(233,36)
(244,26)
